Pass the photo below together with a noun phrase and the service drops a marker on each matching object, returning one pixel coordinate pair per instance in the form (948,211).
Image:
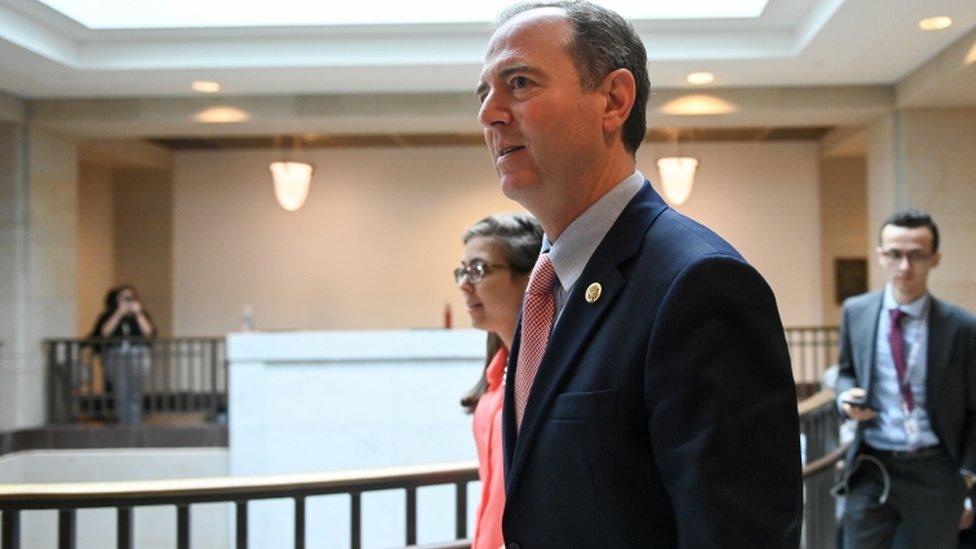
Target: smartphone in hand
(861,403)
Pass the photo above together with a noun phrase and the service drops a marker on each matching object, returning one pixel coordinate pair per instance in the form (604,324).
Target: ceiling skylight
(144,14)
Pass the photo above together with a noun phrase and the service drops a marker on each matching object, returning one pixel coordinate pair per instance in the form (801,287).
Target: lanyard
(916,337)
(917,334)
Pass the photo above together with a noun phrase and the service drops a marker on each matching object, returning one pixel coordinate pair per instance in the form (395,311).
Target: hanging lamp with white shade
(291,178)
(677,177)
(291,183)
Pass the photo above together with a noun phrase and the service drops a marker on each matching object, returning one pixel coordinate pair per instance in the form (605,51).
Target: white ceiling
(123,14)
(46,54)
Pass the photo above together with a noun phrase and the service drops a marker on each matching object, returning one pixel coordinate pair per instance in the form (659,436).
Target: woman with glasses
(499,253)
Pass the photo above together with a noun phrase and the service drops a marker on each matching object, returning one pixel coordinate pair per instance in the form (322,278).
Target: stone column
(38,217)
(926,159)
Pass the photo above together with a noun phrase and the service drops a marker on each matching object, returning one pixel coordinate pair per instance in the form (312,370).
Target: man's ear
(934,262)
(881,257)
(620,90)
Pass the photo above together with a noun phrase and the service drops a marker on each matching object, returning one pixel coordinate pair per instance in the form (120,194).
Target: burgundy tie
(896,341)
(538,310)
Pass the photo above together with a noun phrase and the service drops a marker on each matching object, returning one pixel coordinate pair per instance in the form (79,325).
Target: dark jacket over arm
(722,409)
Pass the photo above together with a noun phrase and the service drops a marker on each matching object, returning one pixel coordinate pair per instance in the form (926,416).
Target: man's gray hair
(603,42)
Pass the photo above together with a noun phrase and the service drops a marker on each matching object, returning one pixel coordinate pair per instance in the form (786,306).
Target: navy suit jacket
(950,380)
(663,414)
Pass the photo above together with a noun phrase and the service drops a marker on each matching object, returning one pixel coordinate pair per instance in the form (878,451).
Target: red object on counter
(447,316)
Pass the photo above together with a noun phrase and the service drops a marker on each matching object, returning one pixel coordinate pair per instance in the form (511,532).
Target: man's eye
(519,82)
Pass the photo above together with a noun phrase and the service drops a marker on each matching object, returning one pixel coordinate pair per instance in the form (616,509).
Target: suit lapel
(508,408)
(865,337)
(578,320)
(939,349)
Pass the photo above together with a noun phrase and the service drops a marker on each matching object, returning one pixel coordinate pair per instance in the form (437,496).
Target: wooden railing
(818,426)
(813,349)
(124,496)
(175,375)
(190,374)
(820,431)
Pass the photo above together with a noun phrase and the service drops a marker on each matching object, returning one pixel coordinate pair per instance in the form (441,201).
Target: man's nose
(493,111)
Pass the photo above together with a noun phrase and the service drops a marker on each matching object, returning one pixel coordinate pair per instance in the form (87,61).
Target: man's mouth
(508,150)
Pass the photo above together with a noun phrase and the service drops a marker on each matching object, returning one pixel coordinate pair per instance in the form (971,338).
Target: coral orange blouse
(491,464)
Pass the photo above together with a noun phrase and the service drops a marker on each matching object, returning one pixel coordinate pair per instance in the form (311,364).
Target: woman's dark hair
(112,297)
(519,239)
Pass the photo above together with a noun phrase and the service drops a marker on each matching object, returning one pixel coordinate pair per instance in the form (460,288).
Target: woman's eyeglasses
(475,272)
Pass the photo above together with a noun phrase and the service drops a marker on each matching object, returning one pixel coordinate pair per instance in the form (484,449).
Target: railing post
(52,412)
(123,528)
(66,529)
(183,527)
(411,515)
(461,510)
(11,529)
(356,520)
(213,380)
(60,394)
(242,524)
(300,522)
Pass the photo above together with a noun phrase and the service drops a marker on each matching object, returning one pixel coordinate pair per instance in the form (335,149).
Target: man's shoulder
(678,239)
(860,301)
(955,313)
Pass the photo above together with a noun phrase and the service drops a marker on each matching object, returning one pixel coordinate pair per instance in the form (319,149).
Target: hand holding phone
(856,406)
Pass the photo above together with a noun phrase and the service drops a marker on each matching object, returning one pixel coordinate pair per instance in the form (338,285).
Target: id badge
(911,427)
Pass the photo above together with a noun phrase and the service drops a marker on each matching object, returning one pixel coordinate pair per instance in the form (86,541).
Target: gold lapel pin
(593,292)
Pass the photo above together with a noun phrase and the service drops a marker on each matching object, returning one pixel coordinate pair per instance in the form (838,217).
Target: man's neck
(554,219)
(904,299)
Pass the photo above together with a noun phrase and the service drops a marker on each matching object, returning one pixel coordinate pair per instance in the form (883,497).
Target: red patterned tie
(538,310)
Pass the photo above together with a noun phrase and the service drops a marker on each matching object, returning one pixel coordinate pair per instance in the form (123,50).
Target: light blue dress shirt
(575,246)
(887,431)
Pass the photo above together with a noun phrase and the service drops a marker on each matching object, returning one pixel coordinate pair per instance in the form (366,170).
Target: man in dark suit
(649,398)
(908,376)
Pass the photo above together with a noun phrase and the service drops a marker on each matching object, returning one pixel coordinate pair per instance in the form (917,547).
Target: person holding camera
(123,327)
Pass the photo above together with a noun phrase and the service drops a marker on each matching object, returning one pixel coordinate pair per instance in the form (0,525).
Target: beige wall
(125,235)
(143,250)
(96,242)
(372,247)
(926,159)
(939,168)
(843,222)
(375,243)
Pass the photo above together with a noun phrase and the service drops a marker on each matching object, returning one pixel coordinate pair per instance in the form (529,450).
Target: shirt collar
(915,309)
(571,252)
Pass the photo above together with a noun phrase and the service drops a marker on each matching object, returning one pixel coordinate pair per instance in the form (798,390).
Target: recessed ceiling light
(205,86)
(935,23)
(698,104)
(222,115)
(700,78)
